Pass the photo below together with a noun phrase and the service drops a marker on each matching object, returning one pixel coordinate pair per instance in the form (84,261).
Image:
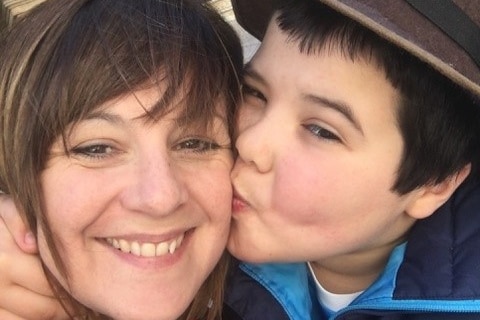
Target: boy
(347,146)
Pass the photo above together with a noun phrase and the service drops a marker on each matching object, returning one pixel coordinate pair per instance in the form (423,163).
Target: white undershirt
(332,301)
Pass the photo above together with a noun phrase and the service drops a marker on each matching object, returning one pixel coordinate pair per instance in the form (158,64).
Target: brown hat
(443,33)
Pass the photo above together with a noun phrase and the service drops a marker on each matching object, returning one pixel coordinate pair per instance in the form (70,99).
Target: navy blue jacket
(435,275)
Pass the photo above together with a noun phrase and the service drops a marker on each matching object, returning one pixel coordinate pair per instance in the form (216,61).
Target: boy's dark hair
(438,119)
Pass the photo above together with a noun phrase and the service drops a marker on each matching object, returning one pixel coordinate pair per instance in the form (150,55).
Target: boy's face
(319,148)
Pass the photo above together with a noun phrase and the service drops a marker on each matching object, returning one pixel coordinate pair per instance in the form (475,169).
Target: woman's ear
(430,197)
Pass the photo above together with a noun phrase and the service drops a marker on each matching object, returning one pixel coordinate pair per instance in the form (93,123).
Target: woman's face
(140,210)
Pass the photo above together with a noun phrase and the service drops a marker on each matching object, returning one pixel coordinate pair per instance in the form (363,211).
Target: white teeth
(124,245)
(172,247)
(162,248)
(115,243)
(146,249)
(135,248)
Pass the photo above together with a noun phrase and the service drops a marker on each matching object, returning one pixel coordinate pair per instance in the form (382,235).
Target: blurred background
(250,44)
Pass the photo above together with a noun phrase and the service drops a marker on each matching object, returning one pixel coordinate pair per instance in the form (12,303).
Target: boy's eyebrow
(338,106)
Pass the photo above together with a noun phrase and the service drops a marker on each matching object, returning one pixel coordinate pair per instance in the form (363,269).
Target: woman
(115,115)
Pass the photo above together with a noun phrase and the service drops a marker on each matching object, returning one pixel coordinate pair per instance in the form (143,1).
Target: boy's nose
(156,188)
(255,145)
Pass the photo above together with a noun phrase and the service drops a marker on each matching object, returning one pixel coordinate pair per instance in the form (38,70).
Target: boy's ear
(430,197)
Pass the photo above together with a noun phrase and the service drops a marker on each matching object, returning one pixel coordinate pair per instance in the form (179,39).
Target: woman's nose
(156,187)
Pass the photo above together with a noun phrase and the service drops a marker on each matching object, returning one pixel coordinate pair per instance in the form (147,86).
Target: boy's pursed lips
(238,202)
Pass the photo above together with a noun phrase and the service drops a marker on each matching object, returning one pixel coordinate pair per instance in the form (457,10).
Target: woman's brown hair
(67,57)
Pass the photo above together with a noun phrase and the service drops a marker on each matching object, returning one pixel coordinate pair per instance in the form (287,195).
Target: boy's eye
(197,145)
(322,133)
(249,91)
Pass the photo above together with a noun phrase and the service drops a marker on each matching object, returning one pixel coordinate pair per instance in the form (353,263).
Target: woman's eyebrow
(105,116)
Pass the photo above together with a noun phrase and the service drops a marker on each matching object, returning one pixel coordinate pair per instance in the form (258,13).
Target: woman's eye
(197,145)
(248,91)
(97,151)
(322,133)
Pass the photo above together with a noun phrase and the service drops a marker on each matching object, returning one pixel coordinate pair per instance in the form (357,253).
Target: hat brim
(395,21)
